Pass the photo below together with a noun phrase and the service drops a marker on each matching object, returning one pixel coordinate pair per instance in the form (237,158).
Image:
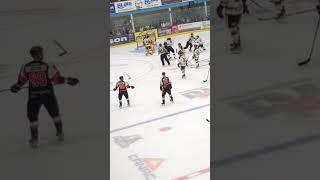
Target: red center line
(194,174)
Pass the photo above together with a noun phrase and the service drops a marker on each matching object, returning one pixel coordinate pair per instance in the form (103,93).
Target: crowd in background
(126,28)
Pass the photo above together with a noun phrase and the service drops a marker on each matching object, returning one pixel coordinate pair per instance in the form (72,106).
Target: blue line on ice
(158,118)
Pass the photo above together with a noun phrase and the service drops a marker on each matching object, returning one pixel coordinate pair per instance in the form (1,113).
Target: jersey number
(38,79)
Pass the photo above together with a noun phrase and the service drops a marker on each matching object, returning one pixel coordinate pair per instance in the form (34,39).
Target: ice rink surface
(151,141)
(266,108)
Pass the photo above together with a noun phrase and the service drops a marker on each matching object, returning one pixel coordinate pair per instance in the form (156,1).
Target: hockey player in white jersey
(180,48)
(280,8)
(183,62)
(199,41)
(196,54)
(232,9)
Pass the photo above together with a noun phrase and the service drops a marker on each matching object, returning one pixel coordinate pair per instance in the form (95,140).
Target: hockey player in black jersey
(168,45)
(163,52)
(190,42)
(122,86)
(41,77)
(165,87)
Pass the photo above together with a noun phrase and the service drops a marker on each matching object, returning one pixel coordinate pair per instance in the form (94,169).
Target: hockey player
(183,62)
(190,42)
(165,87)
(148,42)
(169,47)
(180,48)
(122,86)
(233,9)
(41,77)
(163,52)
(199,41)
(196,54)
(280,8)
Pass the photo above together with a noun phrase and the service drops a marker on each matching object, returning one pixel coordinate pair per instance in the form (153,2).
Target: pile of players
(194,44)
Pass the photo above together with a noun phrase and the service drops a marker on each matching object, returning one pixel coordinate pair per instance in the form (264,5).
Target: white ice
(177,132)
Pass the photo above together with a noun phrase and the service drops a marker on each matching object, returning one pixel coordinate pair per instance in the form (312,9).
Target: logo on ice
(146,165)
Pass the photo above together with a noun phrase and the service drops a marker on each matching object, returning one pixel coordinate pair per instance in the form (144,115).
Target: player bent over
(233,11)
(196,54)
(122,86)
(41,77)
(199,41)
(163,52)
(183,62)
(165,87)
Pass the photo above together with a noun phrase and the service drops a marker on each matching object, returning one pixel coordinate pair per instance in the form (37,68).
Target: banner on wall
(189,26)
(205,24)
(132,5)
(174,29)
(112,8)
(164,32)
(170,1)
(121,39)
(124,6)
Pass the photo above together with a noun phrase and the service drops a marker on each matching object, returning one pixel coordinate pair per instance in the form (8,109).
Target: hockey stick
(64,51)
(287,14)
(207,76)
(312,47)
(128,76)
(6,90)
(208,120)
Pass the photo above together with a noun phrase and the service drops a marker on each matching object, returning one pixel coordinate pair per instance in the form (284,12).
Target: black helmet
(160,44)
(36,51)
(163,73)
(121,77)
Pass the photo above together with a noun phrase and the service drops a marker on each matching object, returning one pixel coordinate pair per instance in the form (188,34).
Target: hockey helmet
(36,51)
(121,77)
(163,73)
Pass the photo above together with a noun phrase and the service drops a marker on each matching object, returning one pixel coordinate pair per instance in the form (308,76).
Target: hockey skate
(163,102)
(171,98)
(128,102)
(60,137)
(33,143)
(281,14)
(183,76)
(197,66)
(235,48)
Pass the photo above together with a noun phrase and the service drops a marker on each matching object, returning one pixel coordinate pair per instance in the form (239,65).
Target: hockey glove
(220,11)
(72,81)
(114,89)
(132,87)
(15,88)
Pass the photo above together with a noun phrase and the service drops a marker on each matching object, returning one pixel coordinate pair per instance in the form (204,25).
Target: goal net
(139,36)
